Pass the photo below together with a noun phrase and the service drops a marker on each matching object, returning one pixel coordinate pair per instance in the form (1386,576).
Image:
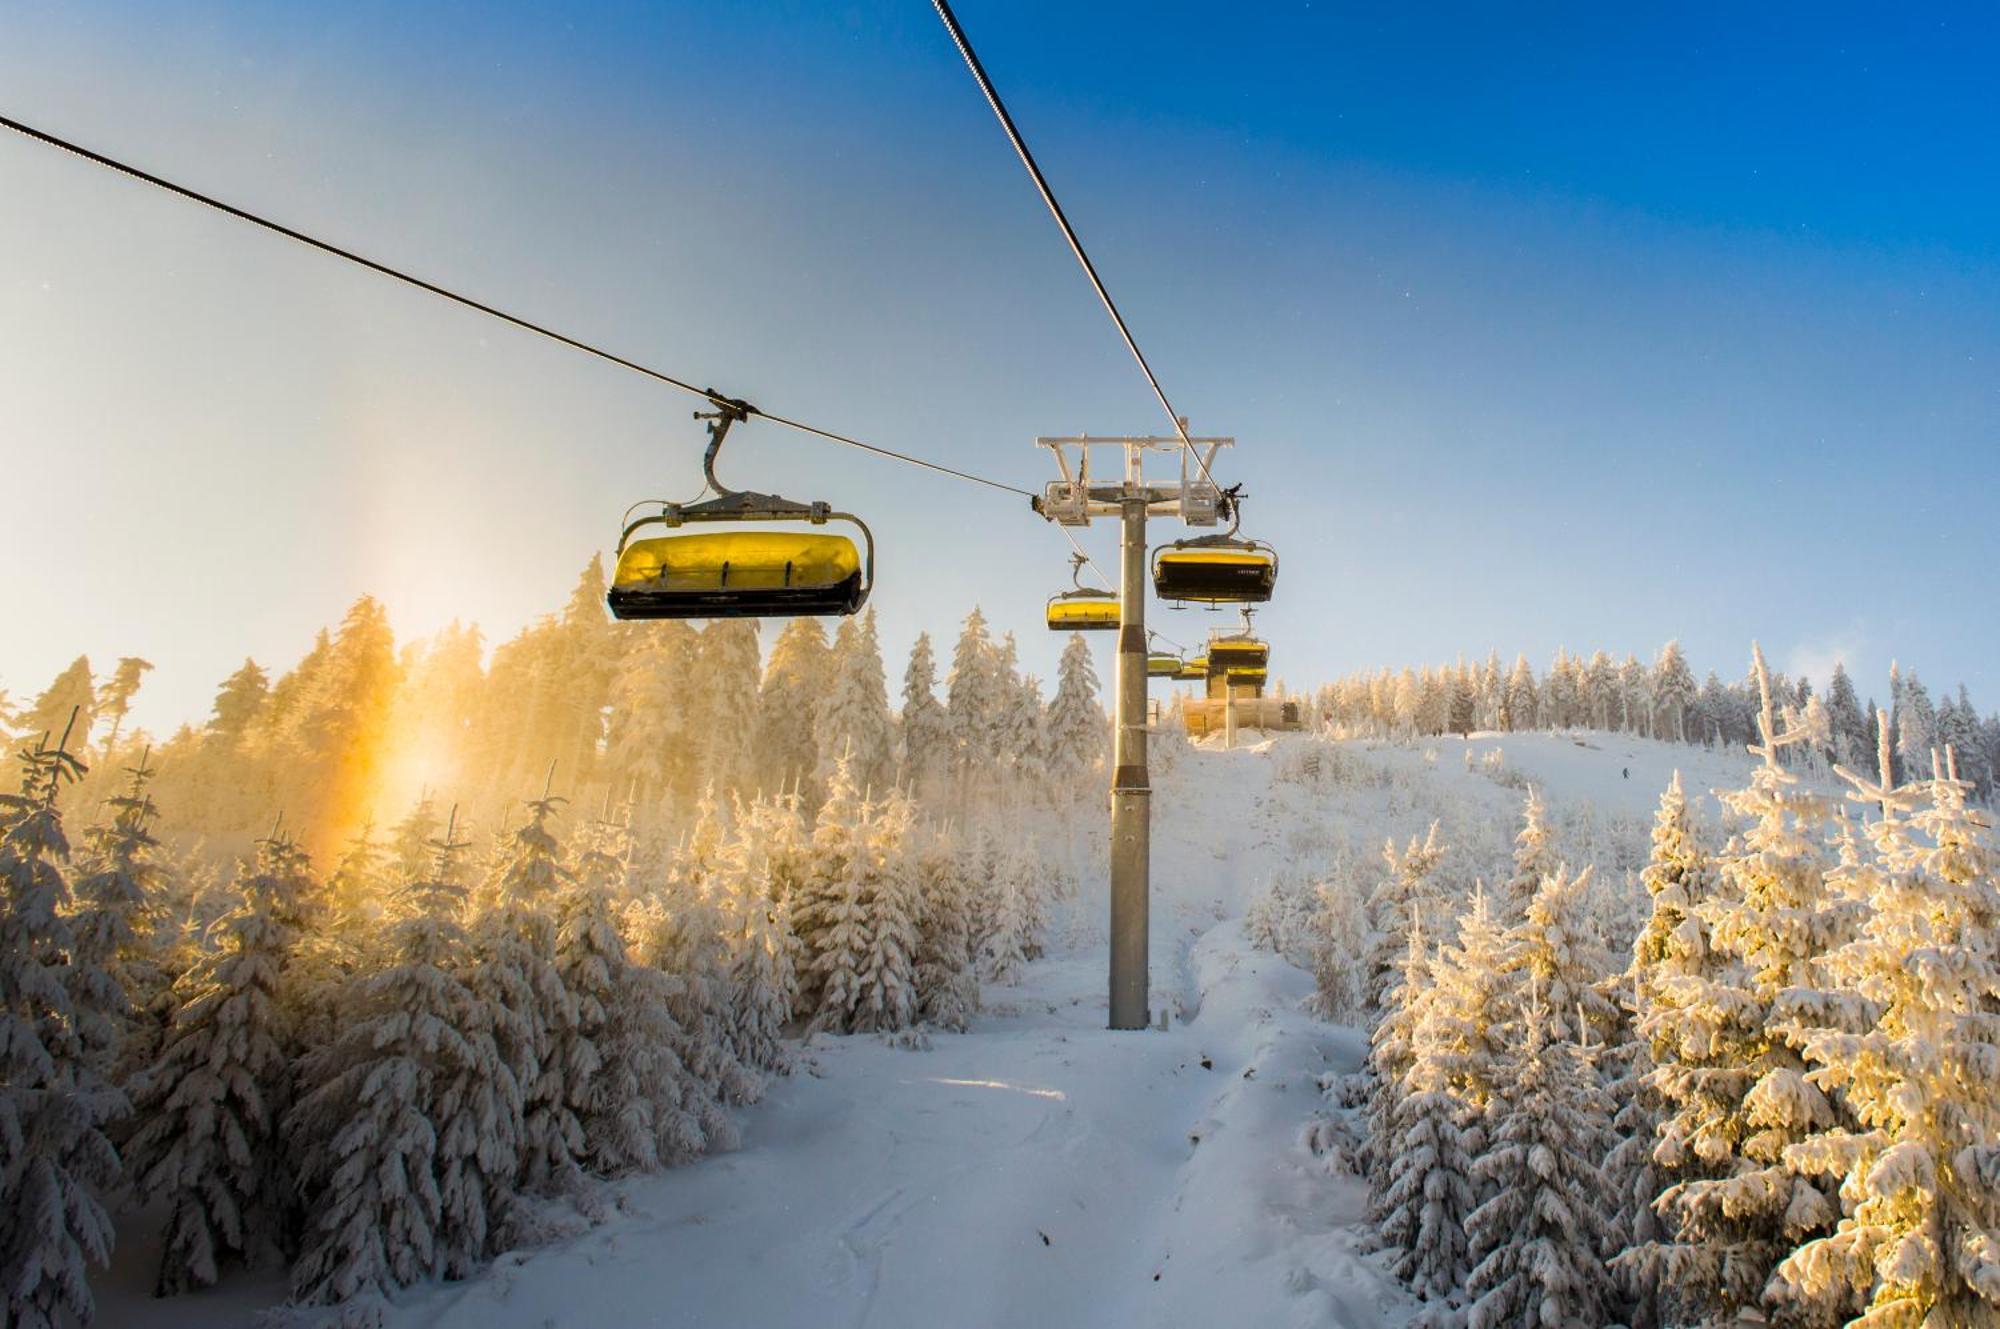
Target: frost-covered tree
(1471,1016)
(973,700)
(1555,952)
(1012,937)
(519,974)
(114,699)
(886,993)
(625,1083)
(691,939)
(1022,737)
(947,983)
(1533,1260)
(1077,735)
(726,672)
(1535,858)
(1464,707)
(653,746)
(833,917)
(853,717)
(799,680)
(115,969)
(1673,691)
(762,865)
(1428,1189)
(68,705)
(1850,725)
(1735,1087)
(1338,947)
(1392,1051)
(55,1159)
(1404,895)
(1670,948)
(209,1108)
(926,727)
(1519,703)
(1562,697)
(407,1138)
(1913,1048)
(1916,727)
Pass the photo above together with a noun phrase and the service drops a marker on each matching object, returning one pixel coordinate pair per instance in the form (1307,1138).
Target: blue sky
(1587,326)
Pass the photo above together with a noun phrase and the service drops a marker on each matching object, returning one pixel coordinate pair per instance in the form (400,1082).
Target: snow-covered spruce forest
(413,960)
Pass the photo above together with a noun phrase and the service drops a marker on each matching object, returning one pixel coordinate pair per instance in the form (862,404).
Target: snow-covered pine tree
(117,974)
(1338,949)
(626,1084)
(1554,951)
(926,727)
(1534,1262)
(1673,690)
(1464,710)
(1005,949)
(947,983)
(687,936)
(833,920)
(798,679)
(972,701)
(1077,736)
(519,975)
(408,1136)
(1472,1011)
(652,746)
(1635,697)
(1958,734)
(726,668)
(1023,740)
(1561,696)
(67,706)
(1850,725)
(886,996)
(1734,1087)
(853,715)
(209,1110)
(1907,1033)
(1404,895)
(1535,858)
(1519,702)
(114,699)
(1428,1189)
(760,867)
(1916,728)
(1391,1053)
(55,1159)
(1670,947)
(360,880)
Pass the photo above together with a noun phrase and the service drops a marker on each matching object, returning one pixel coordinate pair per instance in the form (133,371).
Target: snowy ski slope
(1042,1170)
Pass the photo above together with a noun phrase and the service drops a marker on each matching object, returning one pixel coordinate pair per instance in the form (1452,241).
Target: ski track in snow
(1040,1170)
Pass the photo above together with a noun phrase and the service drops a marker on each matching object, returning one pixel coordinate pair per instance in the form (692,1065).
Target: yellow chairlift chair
(1216,569)
(733,572)
(1085,609)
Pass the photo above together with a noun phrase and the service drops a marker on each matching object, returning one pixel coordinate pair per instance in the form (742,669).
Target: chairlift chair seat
(1237,656)
(1215,573)
(737,574)
(1088,612)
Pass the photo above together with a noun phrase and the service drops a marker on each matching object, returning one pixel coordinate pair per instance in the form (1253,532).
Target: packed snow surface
(1042,1170)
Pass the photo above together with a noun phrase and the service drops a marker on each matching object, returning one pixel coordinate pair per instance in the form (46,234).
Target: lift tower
(1073,501)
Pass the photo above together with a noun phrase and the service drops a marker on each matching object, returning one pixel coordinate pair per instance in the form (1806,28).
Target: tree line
(1662,700)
